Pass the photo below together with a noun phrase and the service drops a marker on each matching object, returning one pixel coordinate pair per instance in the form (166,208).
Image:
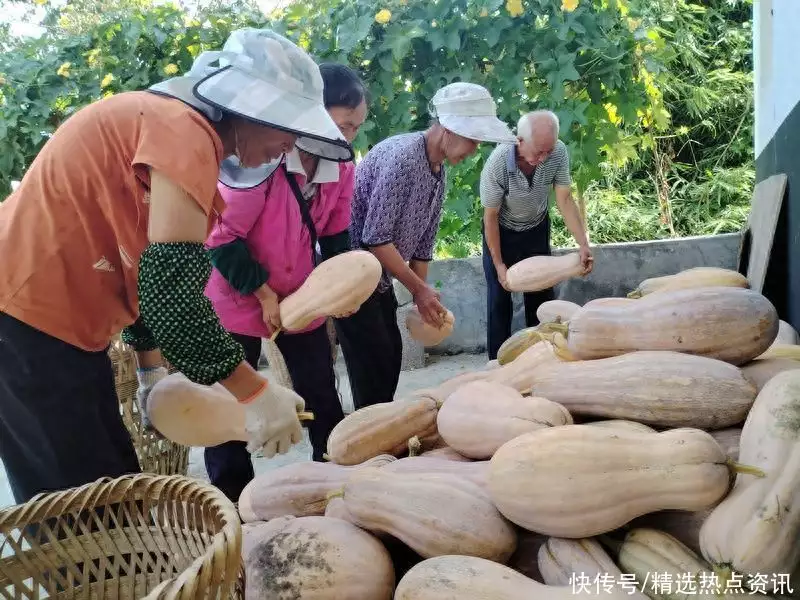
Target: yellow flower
(63,70)
(2,80)
(171,69)
(484,13)
(107,80)
(403,2)
(514,7)
(613,117)
(569,5)
(383,16)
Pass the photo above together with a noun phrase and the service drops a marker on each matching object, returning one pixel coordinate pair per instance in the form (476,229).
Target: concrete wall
(617,270)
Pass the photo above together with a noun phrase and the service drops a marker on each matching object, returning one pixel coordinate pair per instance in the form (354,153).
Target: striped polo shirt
(523,204)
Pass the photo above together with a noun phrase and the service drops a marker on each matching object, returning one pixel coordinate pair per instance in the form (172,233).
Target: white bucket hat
(468,110)
(263,77)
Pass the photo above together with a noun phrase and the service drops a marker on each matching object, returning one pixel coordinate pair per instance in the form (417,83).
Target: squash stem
(305,416)
(635,294)
(414,446)
(275,334)
(562,328)
(745,469)
(334,494)
(326,457)
(723,574)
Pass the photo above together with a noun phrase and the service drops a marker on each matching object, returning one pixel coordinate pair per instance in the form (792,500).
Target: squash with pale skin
(760,371)
(696,277)
(578,481)
(669,389)
(425,333)
(481,416)
(542,272)
(475,471)
(556,310)
(757,527)
(727,323)
(470,578)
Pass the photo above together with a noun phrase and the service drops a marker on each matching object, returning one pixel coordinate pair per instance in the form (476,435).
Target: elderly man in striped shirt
(515,190)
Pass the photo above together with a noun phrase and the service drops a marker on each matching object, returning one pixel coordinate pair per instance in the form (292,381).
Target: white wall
(776,32)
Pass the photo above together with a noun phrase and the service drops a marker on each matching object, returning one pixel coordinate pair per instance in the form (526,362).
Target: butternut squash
(338,285)
(427,334)
(757,527)
(556,310)
(610,301)
(577,481)
(760,371)
(670,389)
(471,578)
(383,428)
(697,277)
(191,414)
(297,489)
(787,334)
(314,558)
(791,351)
(481,416)
(542,272)
(475,471)
(726,323)
(446,453)
(562,561)
(622,424)
(432,513)
(517,344)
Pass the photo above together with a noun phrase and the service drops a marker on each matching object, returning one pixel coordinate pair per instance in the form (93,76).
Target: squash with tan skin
(696,277)
(757,527)
(562,560)
(556,310)
(578,481)
(432,513)
(314,558)
(297,489)
(727,323)
(338,286)
(481,416)
(470,578)
(384,428)
(475,471)
(623,424)
(445,453)
(542,272)
(669,389)
(425,333)
(760,371)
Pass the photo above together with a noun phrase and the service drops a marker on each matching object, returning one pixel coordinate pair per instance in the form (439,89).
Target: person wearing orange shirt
(107,232)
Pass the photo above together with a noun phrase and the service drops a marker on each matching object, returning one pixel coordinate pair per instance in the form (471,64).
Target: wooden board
(759,233)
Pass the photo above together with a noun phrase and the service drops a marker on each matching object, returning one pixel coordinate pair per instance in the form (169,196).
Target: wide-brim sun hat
(264,77)
(468,109)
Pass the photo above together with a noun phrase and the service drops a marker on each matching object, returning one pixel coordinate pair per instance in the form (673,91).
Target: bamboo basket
(156,455)
(137,536)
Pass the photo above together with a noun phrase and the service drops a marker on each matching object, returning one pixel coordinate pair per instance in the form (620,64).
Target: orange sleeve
(182,145)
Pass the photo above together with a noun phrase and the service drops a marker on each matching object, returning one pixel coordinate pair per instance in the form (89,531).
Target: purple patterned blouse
(397,199)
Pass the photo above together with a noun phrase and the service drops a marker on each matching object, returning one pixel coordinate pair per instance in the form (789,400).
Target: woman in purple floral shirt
(397,206)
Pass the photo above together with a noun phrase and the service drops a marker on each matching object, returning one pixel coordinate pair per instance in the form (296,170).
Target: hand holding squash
(430,308)
(271,420)
(270,307)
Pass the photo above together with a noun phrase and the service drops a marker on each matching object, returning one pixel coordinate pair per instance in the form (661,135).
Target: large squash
(757,527)
(471,578)
(726,323)
(476,471)
(542,272)
(556,310)
(314,558)
(384,428)
(670,389)
(338,285)
(426,334)
(481,416)
(432,513)
(760,371)
(696,277)
(564,562)
(297,489)
(578,481)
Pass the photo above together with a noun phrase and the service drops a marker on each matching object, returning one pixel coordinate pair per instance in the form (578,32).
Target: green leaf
(492,36)
(454,40)
(386,62)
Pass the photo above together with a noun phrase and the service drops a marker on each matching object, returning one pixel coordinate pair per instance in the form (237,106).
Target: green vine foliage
(597,63)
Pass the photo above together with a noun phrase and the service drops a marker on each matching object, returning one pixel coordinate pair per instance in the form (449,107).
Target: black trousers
(60,421)
(310,363)
(373,349)
(514,247)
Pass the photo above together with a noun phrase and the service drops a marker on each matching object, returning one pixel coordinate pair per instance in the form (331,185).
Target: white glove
(147,379)
(271,420)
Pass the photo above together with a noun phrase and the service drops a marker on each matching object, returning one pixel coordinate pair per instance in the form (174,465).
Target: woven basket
(156,455)
(137,536)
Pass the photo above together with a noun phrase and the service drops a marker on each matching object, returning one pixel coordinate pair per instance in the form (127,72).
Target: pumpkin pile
(646,446)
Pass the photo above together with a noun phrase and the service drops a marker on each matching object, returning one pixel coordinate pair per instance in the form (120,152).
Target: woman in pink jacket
(263,249)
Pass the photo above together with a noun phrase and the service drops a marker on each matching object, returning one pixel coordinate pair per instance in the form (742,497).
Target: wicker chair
(137,536)
(156,455)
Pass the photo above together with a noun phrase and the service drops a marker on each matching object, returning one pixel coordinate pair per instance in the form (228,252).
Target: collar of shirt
(327,170)
(511,159)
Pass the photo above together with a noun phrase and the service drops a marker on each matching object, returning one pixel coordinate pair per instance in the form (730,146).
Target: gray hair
(535,120)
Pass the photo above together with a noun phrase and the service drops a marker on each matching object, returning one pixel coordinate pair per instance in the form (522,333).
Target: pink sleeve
(242,209)
(340,215)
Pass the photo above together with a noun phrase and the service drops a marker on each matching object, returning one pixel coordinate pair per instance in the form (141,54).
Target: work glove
(147,378)
(271,420)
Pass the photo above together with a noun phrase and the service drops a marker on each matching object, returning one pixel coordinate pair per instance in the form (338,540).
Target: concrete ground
(436,370)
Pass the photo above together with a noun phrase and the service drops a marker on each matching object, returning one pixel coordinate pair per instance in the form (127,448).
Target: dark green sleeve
(238,267)
(331,245)
(139,337)
(173,306)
